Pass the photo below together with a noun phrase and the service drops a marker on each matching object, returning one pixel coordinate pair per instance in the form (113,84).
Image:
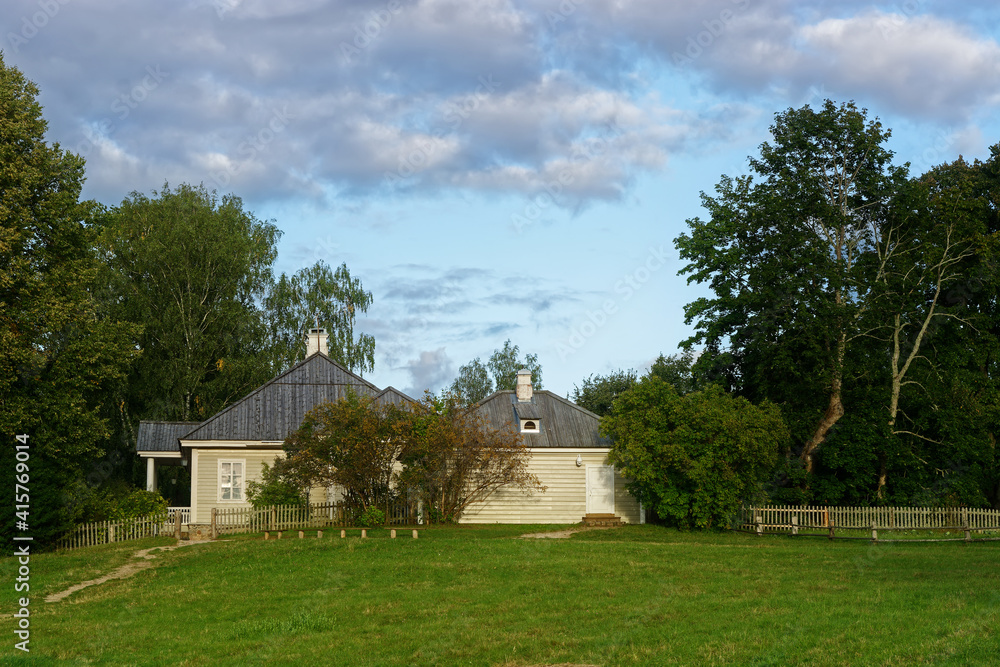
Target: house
(228,449)
(568,455)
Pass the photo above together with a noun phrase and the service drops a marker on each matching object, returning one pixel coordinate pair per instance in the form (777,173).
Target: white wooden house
(228,449)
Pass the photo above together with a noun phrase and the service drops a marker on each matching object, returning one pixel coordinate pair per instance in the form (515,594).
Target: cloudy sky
(491,169)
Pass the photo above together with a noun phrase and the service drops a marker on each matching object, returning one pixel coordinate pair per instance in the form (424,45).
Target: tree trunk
(834,410)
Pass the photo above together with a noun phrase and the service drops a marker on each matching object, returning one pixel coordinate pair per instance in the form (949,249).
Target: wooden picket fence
(105,532)
(791,519)
(318,515)
(227,521)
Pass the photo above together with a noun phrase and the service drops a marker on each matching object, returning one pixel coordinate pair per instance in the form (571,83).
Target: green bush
(139,503)
(694,458)
(121,502)
(274,489)
(372,516)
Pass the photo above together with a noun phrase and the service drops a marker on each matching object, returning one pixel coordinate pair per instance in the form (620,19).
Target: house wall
(205,478)
(564,500)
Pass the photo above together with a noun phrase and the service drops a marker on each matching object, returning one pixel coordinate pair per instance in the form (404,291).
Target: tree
(599,392)
(453,458)
(58,353)
(353,443)
(191,269)
(334,299)
(475,381)
(787,259)
(679,370)
(695,458)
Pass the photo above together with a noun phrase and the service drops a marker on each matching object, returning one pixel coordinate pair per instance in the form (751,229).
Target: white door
(600,490)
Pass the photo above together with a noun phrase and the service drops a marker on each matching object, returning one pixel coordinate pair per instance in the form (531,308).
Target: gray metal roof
(561,422)
(277,408)
(391,395)
(162,436)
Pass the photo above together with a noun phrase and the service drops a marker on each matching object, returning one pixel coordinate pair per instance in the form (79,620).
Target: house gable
(277,408)
(561,423)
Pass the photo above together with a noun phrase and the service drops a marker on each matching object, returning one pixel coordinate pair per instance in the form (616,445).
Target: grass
(474,595)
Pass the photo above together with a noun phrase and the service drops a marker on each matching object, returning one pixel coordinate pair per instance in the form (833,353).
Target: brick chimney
(523,387)
(316,342)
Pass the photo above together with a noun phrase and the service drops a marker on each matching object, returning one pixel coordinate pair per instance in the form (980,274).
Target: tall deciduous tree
(317,293)
(58,354)
(786,257)
(473,383)
(598,392)
(476,381)
(191,269)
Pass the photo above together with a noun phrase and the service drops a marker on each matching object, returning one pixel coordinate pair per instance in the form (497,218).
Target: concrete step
(604,520)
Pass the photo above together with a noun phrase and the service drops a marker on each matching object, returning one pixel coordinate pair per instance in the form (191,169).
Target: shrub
(274,489)
(372,516)
(694,458)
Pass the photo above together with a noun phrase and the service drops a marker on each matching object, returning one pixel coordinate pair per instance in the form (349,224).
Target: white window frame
(537,428)
(242,487)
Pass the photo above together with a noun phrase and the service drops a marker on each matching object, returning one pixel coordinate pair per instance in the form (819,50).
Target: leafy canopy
(694,458)
(58,352)
(476,381)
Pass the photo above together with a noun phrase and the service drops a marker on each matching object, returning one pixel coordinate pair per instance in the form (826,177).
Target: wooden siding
(565,499)
(205,487)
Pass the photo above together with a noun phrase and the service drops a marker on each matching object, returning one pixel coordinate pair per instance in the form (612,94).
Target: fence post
(874,533)
(177,525)
(830,523)
(111,532)
(760,529)
(274,518)
(795,524)
(214,533)
(965,524)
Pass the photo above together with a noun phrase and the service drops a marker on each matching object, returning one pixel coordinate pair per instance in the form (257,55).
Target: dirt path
(561,534)
(123,572)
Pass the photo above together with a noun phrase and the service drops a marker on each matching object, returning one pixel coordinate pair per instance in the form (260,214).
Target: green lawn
(477,596)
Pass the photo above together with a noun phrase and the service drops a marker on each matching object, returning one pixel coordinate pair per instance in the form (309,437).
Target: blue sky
(492,169)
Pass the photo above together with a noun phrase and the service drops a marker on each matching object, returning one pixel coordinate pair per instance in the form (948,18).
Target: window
(529,426)
(231,480)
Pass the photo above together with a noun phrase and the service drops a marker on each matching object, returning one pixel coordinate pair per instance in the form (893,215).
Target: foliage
(598,392)
(681,371)
(352,443)
(452,458)
(57,352)
(119,501)
(695,458)
(476,381)
(505,363)
(473,383)
(139,503)
(787,259)
(372,516)
(294,304)
(273,489)
(191,269)
(858,300)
